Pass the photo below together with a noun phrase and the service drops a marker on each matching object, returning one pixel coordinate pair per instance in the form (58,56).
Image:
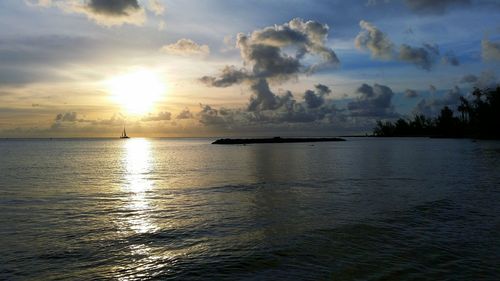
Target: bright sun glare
(136,91)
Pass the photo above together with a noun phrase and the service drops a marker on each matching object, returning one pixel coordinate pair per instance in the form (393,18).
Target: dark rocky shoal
(274,140)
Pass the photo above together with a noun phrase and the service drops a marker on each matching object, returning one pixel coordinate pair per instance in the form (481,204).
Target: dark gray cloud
(423,57)
(268,61)
(113,7)
(264,49)
(229,76)
(411,93)
(160,116)
(210,116)
(374,101)
(490,50)
(275,54)
(73,117)
(316,98)
(291,113)
(432,88)
(184,114)
(374,40)
(380,46)
(431,107)
(433,6)
(70,121)
(486,79)
(264,99)
(104,12)
(266,107)
(294,113)
(66,117)
(451,59)
(469,78)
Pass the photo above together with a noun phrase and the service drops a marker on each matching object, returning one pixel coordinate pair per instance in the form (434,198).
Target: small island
(274,140)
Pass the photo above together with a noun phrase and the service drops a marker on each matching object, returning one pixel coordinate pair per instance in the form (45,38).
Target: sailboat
(124,134)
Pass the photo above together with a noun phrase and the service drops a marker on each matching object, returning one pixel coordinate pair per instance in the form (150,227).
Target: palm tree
(464,109)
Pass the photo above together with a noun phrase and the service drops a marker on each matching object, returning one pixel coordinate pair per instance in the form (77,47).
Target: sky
(185,68)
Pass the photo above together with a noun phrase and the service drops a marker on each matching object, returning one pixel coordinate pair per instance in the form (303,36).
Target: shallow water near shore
(183,209)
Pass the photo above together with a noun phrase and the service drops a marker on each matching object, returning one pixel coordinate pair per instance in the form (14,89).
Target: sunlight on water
(138,166)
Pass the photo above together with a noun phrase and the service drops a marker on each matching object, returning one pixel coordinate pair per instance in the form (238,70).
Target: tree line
(478,117)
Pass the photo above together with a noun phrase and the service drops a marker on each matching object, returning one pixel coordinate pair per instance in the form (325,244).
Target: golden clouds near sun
(136,91)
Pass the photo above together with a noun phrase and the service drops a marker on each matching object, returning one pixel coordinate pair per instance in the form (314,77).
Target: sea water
(183,209)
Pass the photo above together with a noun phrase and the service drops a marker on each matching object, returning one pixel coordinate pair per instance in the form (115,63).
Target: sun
(136,91)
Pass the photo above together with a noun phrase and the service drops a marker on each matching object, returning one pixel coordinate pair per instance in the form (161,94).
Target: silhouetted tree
(479,118)
(464,109)
(384,129)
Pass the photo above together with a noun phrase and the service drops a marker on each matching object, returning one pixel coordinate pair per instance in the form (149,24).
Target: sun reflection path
(138,164)
(137,217)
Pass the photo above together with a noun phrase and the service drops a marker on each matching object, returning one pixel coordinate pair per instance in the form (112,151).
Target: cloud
(63,119)
(433,6)
(72,123)
(376,2)
(268,61)
(160,116)
(276,54)
(374,40)
(490,50)
(432,88)
(291,113)
(431,107)
(156,7)
(161,25)
(229,76)
(411,93)
(210,116)
(103,12)
(186,47)
(315,98)
(423,57)
(114,120)
(264,99)
(451,59)
(266,52)
(469,78)
(486,79)
(66,117)
(264,49)
(72,117)
(380,46)
(185,114)
(374,101)
(266,108)
(40,3)
(113,7)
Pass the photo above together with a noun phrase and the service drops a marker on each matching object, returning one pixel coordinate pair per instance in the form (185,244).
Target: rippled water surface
(364,209)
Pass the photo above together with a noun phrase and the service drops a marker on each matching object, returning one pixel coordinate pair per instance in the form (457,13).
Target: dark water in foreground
(364,209)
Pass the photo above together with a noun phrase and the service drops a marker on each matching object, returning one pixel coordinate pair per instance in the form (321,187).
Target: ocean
(183,209)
